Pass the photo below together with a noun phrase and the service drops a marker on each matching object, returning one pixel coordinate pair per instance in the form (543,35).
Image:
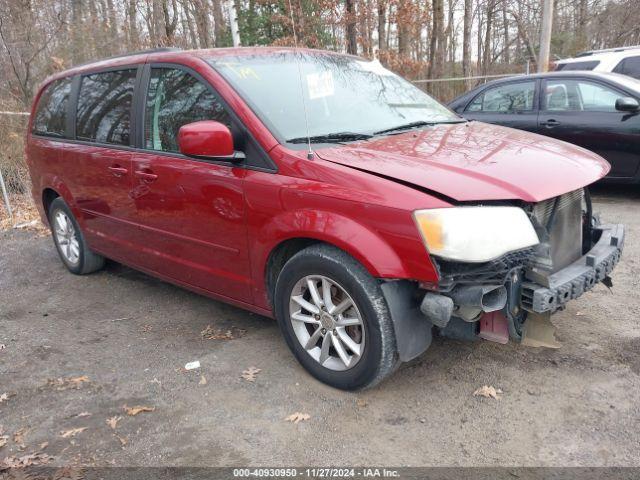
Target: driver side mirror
(627,104)
(207,139)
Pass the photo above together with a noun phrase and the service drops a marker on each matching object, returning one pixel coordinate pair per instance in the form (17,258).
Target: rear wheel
(335,319)
(70,243)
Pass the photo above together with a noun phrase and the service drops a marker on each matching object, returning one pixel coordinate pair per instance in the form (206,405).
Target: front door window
(176,98)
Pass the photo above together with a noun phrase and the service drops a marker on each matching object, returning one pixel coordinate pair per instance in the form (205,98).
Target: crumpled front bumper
(578,277)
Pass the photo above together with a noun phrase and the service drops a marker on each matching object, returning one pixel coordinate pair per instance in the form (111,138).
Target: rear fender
(54,182)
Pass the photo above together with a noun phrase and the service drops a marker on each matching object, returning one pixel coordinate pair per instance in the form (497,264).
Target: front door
(583,112)
(190,212)
(509,104)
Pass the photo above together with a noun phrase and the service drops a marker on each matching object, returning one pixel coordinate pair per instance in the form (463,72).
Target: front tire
(335,319)
(69,240)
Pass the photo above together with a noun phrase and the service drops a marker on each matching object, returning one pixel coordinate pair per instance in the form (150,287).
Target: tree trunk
(506,40)
(402,22)
(437,43)
(382,23)
(219,25)
(486,51)
(466,39)
(134,40)
(350,20)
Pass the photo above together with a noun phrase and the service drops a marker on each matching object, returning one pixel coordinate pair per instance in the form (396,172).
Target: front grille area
(558,222)
(493,272)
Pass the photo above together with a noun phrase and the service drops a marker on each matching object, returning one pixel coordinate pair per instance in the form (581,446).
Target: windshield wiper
(409,126)
(336,137)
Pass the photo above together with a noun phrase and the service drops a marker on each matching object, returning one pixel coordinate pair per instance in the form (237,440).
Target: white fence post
(5,195)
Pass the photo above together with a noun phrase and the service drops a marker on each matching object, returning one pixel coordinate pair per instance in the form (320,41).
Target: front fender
(355,238)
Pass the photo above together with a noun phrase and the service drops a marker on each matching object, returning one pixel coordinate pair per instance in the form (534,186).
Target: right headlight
(475,234)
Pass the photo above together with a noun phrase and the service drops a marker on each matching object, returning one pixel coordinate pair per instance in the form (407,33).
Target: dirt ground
(131,336)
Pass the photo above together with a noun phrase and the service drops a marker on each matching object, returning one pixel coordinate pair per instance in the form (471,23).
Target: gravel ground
(131,335)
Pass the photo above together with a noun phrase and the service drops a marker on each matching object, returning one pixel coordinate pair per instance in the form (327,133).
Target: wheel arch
(288,237)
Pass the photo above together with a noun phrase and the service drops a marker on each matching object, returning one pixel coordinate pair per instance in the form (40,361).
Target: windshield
(342,94)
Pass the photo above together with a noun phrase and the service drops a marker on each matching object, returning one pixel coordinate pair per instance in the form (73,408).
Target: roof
(172,54)
(593,55)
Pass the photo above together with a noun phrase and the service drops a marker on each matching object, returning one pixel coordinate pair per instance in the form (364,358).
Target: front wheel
(335,319)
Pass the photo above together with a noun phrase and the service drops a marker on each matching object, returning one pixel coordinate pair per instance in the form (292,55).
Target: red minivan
(320,189)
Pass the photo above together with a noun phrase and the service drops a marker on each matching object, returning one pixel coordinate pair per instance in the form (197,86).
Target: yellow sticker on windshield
(320,85)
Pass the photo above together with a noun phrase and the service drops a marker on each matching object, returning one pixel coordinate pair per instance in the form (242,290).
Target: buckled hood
(475,161)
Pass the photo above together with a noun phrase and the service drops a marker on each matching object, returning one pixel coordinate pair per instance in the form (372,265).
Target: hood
(475,161)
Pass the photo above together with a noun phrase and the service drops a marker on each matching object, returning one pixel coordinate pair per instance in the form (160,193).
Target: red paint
(212,226)
(205,139)
(494,327)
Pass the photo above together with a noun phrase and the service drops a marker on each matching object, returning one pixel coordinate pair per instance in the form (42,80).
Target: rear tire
(70,242)
(359,341)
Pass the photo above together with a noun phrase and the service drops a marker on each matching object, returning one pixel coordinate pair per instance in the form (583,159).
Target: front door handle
(147,176)
(117,170)
(550,123)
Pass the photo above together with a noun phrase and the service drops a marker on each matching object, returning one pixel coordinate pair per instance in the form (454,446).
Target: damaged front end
(513,296)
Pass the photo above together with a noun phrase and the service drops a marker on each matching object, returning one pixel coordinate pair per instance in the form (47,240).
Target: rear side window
(51,113)
(579,96)
(174,99)
(104,107)
(629,66)
(510,98)
(565,67)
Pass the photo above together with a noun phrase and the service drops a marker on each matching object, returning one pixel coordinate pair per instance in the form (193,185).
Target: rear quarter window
(51,112)
(104,107)
(629,66)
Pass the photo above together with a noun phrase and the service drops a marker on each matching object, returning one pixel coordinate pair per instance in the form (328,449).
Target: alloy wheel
(326,322)
(67,238)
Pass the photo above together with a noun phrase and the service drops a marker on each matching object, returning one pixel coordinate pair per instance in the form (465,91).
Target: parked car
(597,111)
(320,189)
(623,60)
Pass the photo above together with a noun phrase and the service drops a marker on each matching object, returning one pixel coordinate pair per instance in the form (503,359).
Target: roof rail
(604,50)
(131,54)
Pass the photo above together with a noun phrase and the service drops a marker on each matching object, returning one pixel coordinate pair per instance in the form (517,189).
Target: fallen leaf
(113,421)
(123,440)
(72,432)
(18,437)
(131,411)
(66,383)
(25,461)
(298,417)
(488,391)
(211,333)
(6,396)
(361,402)
(250,374)
(43,445)
(68,473)
(82,414)
(203,381)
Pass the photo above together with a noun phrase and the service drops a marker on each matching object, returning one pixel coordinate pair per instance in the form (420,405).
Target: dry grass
(25,215)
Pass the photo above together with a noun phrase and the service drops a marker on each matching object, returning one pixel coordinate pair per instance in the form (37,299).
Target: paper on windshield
(320,85)
(374,66)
